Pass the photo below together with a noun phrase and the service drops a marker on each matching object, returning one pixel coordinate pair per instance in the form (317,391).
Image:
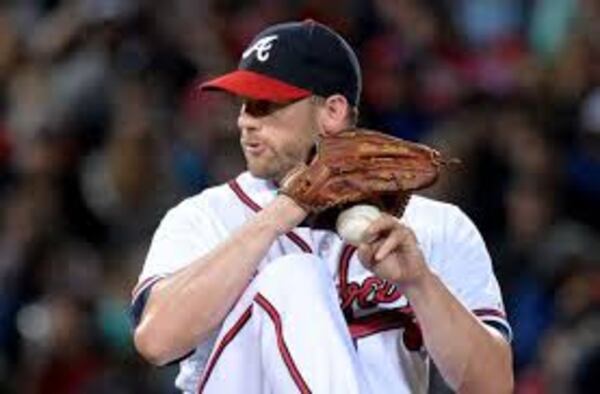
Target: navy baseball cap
(293,60)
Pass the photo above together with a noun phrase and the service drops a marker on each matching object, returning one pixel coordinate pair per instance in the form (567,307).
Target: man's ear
(334,114)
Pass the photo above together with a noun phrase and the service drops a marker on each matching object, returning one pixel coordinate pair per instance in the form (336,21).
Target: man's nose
(247,122)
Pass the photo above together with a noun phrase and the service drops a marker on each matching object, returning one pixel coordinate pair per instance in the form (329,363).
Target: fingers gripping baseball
(390,250)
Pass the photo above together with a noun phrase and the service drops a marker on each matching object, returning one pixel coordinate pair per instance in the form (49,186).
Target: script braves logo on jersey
(370,293)
(261,47)
(373,292)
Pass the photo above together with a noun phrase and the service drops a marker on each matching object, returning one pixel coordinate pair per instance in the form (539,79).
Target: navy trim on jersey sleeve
(504,330)
(137,306)
(136,309)
(495,318)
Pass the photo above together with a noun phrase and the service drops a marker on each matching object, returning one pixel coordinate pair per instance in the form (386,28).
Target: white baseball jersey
(379,319)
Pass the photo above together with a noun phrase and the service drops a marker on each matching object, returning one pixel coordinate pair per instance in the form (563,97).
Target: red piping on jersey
(345,257)
(489,312)
(227,338)
(381,321)
(245,198)
(397,318)
(389,319)
(283,349)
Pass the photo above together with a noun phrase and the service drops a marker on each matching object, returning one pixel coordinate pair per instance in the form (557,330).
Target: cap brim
(256,86)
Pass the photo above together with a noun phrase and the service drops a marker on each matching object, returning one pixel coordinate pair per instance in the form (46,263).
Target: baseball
(352,222)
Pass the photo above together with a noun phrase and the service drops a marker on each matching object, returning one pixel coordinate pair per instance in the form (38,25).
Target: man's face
(276,137)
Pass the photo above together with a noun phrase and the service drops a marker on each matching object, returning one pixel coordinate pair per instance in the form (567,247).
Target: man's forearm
(471,357)
(183,309)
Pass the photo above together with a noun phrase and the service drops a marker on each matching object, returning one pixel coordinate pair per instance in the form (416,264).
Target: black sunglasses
(260,108)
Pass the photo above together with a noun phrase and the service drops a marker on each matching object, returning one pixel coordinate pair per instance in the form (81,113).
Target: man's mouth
(253,147)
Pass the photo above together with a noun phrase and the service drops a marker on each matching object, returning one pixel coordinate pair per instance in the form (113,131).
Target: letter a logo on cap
(262,48)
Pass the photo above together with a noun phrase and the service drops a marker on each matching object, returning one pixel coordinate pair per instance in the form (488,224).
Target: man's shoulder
(440,219)
(222,196)
(207,200)
(443,217)
(425,207)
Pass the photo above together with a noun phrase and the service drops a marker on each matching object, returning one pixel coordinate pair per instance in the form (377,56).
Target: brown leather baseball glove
(362,166)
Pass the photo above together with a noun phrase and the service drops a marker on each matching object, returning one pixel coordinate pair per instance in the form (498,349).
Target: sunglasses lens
(260,108)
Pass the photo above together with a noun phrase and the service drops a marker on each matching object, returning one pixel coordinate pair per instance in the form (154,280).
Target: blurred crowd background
(101,130)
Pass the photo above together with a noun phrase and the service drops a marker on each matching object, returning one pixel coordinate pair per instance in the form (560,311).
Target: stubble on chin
(271,172)
(276,167)
(262,170)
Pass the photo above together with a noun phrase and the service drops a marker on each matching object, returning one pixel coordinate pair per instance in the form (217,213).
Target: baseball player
(249,300)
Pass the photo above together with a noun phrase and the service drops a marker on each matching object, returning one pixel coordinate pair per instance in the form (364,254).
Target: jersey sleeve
(466,268)
(186,233)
